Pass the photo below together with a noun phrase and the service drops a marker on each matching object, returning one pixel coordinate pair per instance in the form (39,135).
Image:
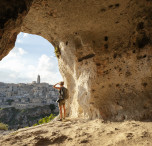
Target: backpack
(64,94)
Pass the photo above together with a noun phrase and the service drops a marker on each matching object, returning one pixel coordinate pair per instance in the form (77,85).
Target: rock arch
(105,46)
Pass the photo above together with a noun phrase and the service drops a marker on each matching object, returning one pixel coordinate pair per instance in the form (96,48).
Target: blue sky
(32,55)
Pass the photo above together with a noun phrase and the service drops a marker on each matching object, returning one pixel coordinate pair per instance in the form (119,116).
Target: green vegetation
(3,126)
(23,110)
(10,101)
(52,107)
(18,118)
(57,52)
(45,120)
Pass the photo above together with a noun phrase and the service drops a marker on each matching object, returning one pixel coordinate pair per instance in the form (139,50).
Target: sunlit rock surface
(106,52)
(73,132)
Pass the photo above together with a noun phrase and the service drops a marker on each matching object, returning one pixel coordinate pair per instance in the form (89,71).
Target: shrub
(57,52)
(10,101)
(45,120)
(51,117)
(52,107)
(35,124)
(3,126)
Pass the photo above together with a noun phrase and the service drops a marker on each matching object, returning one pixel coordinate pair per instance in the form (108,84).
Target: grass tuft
(3,126)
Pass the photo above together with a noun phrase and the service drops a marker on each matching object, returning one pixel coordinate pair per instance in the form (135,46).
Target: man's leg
(64,110)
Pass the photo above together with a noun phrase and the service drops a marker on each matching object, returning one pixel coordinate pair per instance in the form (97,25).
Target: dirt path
(74,132)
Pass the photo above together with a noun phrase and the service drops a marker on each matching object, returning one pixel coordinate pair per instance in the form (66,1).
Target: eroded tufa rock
(106,53)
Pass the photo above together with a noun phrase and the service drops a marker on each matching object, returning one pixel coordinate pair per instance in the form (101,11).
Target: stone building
(27,95)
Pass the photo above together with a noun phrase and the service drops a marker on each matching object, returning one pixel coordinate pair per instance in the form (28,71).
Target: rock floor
(74,132)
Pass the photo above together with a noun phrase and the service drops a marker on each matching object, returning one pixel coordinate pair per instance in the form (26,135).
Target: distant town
(27,95)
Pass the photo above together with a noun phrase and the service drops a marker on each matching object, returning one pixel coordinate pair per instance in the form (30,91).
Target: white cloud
(25,35)
(16,52)
(47,68)
(19,41)
(21,37)
(12,75)
(13,61)
(19,69)
(45,63)
(21,51)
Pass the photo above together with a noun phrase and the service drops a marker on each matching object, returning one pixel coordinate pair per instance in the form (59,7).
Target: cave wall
(106,53)
(12,13)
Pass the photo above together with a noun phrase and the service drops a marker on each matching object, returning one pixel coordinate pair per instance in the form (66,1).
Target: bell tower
(38,79)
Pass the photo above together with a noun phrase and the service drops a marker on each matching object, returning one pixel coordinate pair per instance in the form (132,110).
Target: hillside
(19,118)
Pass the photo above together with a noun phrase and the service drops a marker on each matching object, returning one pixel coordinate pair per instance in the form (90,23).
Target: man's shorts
(61,102)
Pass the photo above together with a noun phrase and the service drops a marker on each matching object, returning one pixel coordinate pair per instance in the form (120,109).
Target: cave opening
(32,55)
(27,74)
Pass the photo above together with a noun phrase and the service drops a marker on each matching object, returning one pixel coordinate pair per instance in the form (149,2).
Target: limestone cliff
(105,47)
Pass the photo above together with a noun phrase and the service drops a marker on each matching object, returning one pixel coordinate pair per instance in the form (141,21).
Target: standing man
(61,100)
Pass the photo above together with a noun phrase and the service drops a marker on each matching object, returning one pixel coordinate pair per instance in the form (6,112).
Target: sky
(32,55)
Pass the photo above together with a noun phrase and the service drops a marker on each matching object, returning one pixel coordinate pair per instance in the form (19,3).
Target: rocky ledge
(72,132)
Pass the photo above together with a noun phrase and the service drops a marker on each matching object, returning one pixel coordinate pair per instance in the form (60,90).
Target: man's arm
(56,87)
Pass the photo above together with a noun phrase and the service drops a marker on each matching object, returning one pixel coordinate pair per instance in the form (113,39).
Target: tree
(52,107)
(10,101)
